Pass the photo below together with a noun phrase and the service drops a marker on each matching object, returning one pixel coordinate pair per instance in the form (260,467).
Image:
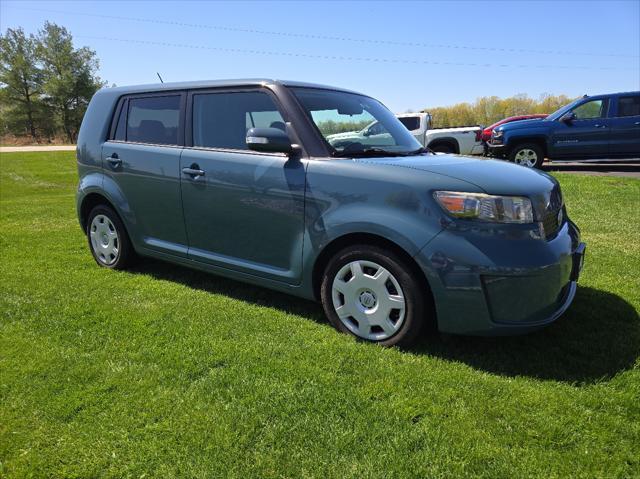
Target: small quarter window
(119,134)
(154,120)
(629,106)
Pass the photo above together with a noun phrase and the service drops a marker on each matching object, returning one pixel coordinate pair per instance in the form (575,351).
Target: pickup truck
(464,140)
(601,126)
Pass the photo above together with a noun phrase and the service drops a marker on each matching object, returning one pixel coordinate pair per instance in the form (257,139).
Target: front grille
(554,215)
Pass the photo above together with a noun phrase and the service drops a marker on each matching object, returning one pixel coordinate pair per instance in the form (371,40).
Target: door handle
(637,123)
(597,125)
(194,171)
(114,161)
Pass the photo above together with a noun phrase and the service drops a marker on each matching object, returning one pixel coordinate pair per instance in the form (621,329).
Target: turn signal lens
(497,209)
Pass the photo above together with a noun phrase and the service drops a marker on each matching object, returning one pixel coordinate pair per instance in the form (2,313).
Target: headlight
(478,206)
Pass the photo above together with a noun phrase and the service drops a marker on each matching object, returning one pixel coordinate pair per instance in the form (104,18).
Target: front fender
(403,228)
(522,137)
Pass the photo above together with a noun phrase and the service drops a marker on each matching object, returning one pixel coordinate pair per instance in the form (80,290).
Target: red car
(486,133)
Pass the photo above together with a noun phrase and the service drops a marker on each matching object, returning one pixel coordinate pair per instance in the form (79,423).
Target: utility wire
(341,57)
(328,37)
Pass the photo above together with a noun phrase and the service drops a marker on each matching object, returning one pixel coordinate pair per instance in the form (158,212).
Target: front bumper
(497,283)
(495,149)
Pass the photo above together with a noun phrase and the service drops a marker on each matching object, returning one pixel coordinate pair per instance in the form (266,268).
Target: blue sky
(410,55)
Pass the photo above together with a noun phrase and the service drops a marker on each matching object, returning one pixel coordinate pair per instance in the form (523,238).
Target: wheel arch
(541,141)
(350,239)
(446,140)
(89,202)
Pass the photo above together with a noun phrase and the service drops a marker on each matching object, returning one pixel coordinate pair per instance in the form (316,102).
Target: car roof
(605,95)
(204,84)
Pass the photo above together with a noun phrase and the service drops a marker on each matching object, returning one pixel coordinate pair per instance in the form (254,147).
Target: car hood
(495,177)
(520,124)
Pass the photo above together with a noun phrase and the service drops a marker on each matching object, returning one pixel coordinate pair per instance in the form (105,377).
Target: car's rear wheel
(372,294)
(108,239)
(527,154)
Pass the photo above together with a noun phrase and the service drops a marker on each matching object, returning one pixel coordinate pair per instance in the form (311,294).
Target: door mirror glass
(568,117)
(268,140)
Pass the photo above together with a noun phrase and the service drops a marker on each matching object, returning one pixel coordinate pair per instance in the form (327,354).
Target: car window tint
(629,106)
(590,109)
(221,120)
(410,122)
(119,134)
(154,120)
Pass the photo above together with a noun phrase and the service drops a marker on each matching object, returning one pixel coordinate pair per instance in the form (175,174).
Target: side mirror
(568,117)
(269,140)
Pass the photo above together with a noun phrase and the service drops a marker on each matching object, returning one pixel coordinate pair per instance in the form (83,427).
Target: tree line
(489,109)
(45,83)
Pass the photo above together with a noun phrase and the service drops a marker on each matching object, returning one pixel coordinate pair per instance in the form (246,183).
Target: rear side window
(154,120)
(221,120)
(629,106)
(410,122)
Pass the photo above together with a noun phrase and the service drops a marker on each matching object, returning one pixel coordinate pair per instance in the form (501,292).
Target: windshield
(356,125)
(558,113)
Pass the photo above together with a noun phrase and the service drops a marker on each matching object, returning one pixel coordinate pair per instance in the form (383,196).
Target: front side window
(221,120)
(354,125)
(590,109)
(629,106)
(154,120)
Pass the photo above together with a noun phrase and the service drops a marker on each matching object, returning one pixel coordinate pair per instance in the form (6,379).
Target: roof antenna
(161,80)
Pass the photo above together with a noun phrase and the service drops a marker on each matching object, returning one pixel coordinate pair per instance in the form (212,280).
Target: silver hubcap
(526,157)
(104,239)
(368,300)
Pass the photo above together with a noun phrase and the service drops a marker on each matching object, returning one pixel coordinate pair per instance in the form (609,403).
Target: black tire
(442,148)
(515,154)
(416,296)
(124,256)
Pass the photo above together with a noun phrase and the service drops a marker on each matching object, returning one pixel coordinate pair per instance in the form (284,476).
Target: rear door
(245,212)
(625,126)
(142,157)
(585,137)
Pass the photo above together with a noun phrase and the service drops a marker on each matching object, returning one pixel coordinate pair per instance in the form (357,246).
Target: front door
(143,159)
(587,136)
(243,210)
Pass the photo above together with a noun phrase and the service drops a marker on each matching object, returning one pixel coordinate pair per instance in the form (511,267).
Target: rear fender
(105,186)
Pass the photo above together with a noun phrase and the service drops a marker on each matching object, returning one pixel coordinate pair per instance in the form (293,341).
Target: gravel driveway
(14,149)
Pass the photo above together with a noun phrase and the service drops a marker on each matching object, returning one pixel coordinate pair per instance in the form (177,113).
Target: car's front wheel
(528,154)
(372,294)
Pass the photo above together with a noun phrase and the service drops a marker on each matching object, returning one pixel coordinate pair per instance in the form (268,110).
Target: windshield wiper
(421,150)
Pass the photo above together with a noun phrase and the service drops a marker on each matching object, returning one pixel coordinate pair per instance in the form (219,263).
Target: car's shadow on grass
(598,337)
(235,289)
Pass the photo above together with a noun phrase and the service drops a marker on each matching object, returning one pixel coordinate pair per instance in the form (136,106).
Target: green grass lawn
(166,372)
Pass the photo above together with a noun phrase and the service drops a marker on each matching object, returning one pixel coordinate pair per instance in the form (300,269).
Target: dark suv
(602,126)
